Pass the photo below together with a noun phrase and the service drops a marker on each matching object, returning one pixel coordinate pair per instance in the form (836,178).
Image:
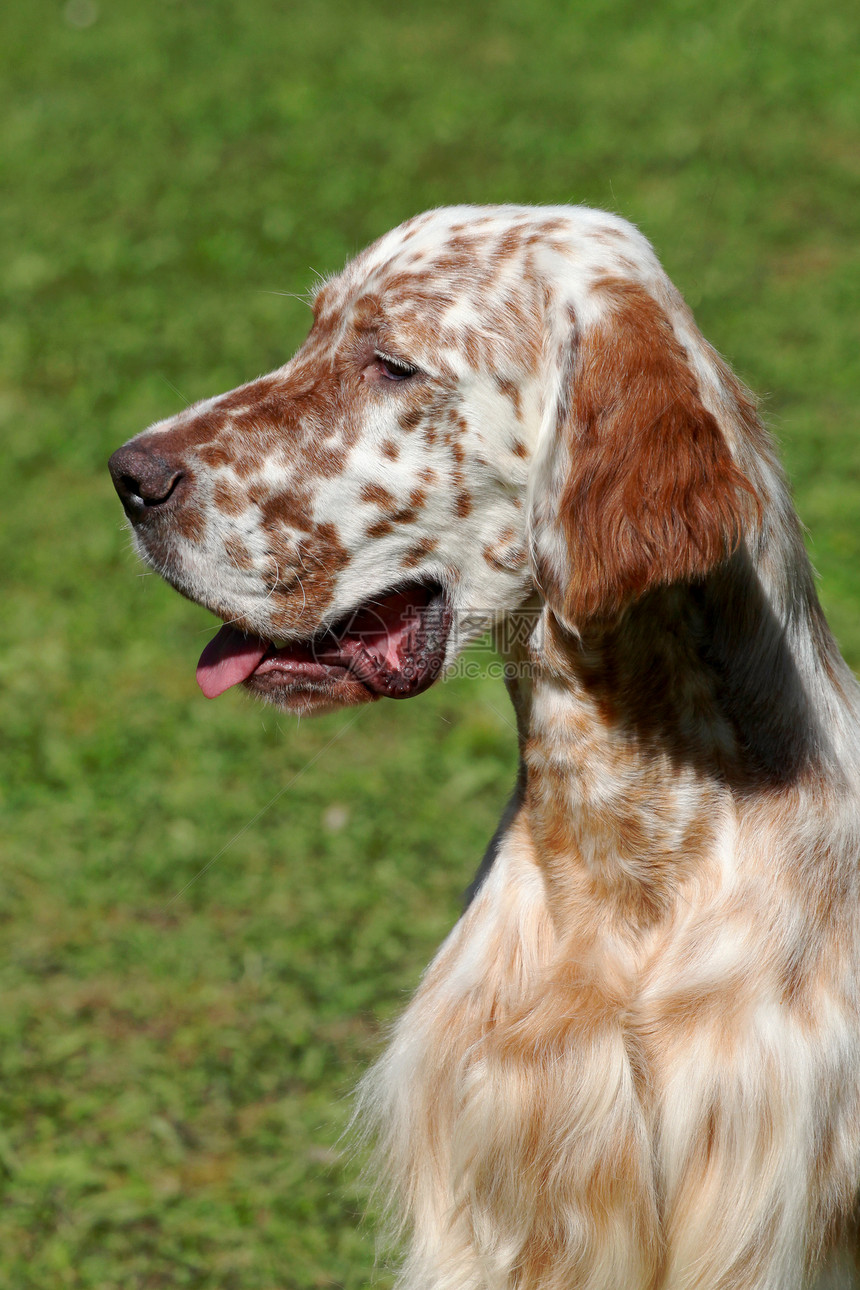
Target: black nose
(143,479)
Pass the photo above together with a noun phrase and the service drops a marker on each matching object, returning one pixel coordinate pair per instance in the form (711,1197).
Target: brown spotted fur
(635,1062)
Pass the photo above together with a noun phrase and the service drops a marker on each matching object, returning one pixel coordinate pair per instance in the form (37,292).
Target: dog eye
(394,369)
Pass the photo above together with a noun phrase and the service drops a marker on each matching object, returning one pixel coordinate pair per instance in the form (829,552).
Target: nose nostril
(143,479)
(127,486)
(161,491)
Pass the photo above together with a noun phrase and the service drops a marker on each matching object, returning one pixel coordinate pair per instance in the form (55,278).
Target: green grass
(178,1040)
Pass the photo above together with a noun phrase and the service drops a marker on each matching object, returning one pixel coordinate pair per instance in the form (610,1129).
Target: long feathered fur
(635,1062)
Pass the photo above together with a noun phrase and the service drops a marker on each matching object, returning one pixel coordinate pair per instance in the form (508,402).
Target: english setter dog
(635,1062)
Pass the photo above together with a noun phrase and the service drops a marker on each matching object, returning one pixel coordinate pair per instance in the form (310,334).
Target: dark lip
(271,664)
(324,690)
(321,666)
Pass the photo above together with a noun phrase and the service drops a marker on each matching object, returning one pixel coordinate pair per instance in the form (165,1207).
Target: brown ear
(651,494)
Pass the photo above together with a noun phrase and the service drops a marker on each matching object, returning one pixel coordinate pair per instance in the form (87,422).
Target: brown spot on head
(238,553)
(303,598)
(610,237)
(325,460)
(290,509)
(326,320)
(410,418)
(247,395)
(191,429)
(505,554)
(389,449)
(229,501)
(379,528)
(511,242)
(418,552)
(463,504)
(367,313)
(451,262)
(215,454)
(381,497)
(189,522)
(376,495)
(519,449)
(247,463)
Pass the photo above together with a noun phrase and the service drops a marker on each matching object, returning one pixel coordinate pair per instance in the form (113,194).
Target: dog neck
(642,739)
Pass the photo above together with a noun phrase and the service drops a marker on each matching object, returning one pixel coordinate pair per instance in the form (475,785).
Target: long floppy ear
(638,486)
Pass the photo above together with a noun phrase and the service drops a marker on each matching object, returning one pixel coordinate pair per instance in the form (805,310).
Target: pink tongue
(230,657)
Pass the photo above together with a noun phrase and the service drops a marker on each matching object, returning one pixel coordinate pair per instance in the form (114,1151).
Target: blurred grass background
(176,1058)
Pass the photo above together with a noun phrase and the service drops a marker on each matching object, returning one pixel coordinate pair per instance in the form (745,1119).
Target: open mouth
(390,646)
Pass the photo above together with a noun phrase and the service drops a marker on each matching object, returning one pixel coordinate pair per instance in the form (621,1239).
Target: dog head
(489,400)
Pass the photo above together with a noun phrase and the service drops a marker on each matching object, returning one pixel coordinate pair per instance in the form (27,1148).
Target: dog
(635,1062)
